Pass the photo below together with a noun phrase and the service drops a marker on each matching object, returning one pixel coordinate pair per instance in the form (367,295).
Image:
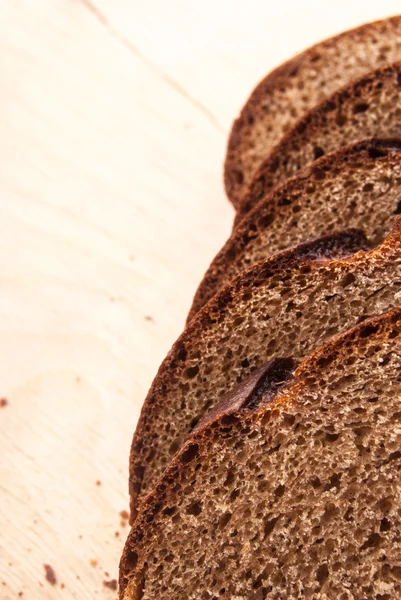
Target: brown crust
(275,81)
(162,495)
(264,215)
(325,114)
(287,262)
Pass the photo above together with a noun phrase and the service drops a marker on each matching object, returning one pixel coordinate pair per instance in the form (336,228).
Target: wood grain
(113,123)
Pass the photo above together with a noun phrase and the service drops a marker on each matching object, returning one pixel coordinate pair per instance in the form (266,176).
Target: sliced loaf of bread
(356,186)
(368,107)
(295,87)
(282,306)
(288,494)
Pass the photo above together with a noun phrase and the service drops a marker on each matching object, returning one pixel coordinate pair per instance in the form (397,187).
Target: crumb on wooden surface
(149,318)
(98,482)
(93,562)
(50,575)
(112,584)
(124,518)
(116,534)
(3,402)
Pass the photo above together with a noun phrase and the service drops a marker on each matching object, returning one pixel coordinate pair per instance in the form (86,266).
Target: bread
(356,186)
(173,380)
(368,107)
(295,87)
(281,306)
(289,495)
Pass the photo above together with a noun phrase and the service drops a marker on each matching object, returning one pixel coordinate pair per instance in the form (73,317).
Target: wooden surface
(113,123)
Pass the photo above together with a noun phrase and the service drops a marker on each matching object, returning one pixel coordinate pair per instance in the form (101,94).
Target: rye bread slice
(297,495)
(367,107)
(222,345)
(356,186)
(295,87)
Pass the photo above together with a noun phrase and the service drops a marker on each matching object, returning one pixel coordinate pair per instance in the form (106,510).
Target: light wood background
(114,117)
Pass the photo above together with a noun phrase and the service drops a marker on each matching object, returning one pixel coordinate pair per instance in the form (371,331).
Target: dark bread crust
(335,246)
(356,111)
(376,331)
(302,68)
(233,257)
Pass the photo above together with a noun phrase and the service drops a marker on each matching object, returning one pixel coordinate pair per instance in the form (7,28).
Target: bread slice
(295,87)
(368,107)
(356,186)
(281,306)
(295,496)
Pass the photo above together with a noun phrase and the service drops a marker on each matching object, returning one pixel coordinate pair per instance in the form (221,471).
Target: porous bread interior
(368,108)
(360,189)
(300,500)
(314,75)
(287,312)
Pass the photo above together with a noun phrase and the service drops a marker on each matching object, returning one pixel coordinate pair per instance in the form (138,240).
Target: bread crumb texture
(300,499)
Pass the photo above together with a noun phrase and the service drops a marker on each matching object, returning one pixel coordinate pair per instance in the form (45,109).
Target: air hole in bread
(347,280)
(376,152)
(279,491)
(235,494)
(189,454)
(319,174)
(332,437)
(224,520)
(230,477)
(341,119)
(322,573)
(238,176)
(195,509)
(317,152)
(360,107)
(373,541)
(194,422)
(191,372)
(266,220)
(169,511)
(385,525)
